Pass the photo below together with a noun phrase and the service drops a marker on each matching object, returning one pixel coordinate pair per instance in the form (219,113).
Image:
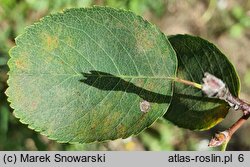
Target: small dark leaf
(190,108)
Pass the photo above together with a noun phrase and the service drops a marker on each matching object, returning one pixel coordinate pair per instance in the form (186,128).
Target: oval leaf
(190,108)
(81,75)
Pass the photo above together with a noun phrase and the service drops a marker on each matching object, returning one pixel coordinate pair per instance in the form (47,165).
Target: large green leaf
(80,75)
(190,108)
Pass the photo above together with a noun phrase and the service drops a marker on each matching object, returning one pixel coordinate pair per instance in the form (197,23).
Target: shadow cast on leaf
(109,82)
(200,98)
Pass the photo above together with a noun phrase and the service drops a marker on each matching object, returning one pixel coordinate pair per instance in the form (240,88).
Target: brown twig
(225,136)
(214,87)
(238,124)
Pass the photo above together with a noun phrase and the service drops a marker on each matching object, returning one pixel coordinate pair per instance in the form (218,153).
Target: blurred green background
(224,22)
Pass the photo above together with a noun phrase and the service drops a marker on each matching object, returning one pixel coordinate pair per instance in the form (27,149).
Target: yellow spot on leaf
(50,41)
(20,64)
(93,126)
(143,42)
(121,130)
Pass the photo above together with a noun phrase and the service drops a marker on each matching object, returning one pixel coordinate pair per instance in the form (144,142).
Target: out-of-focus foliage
(139,6)
(225,22)
(242,21)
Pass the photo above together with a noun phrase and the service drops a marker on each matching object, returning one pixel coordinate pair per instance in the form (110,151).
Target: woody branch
(216,88)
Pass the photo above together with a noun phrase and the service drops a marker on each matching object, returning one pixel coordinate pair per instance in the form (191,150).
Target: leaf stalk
(186,82)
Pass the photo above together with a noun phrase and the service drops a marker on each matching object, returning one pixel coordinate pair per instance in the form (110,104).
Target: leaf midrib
(104,76)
